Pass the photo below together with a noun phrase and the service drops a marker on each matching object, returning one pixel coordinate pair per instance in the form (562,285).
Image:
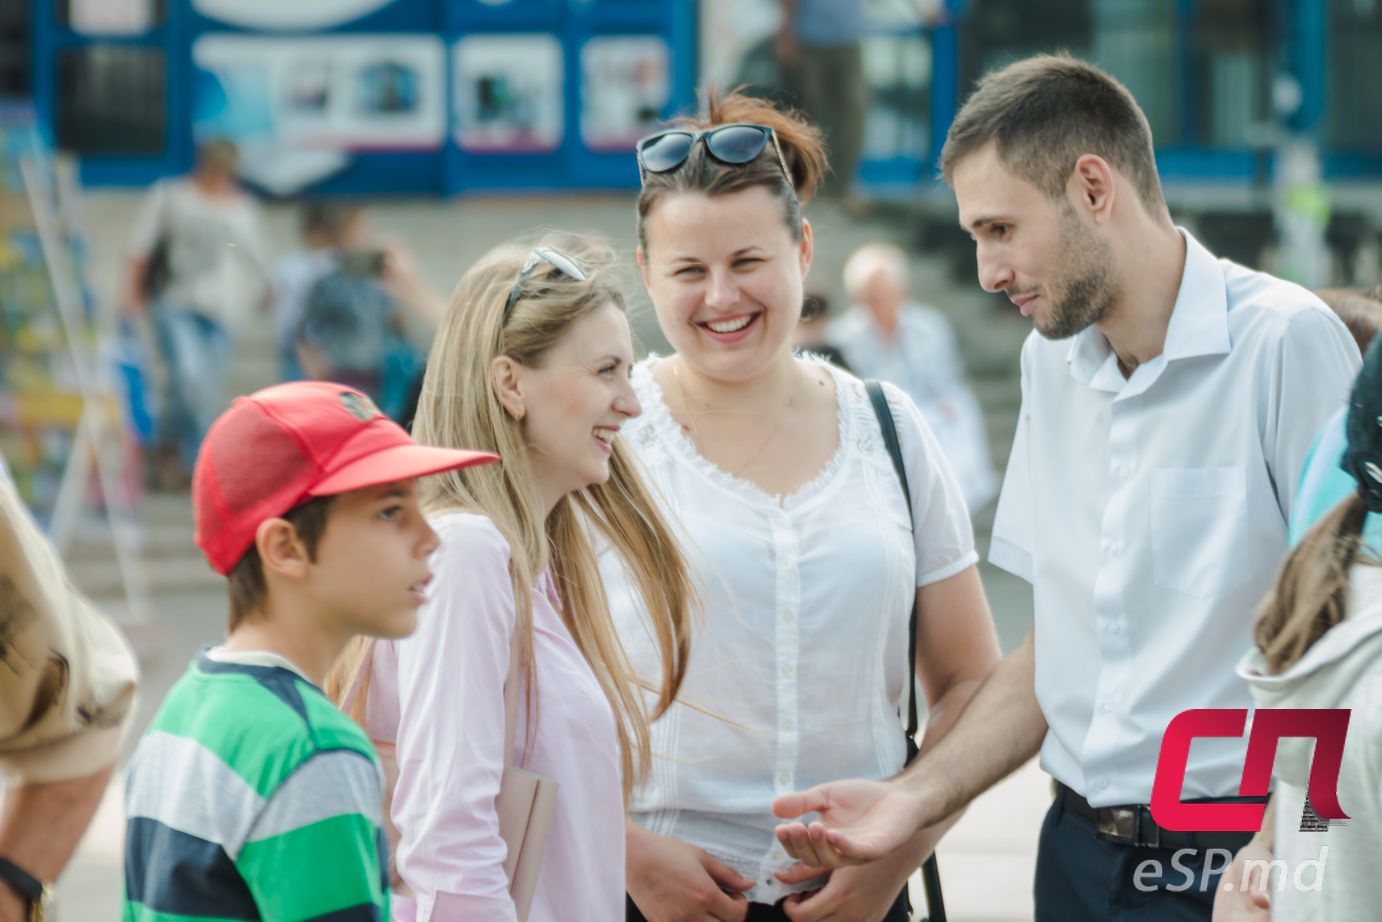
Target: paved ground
(986,860)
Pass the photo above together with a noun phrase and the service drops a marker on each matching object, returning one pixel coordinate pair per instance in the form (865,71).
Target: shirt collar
(263,658)
(1198,326)
(1199,321)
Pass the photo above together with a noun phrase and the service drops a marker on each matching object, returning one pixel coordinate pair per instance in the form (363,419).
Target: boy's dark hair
(1047,111)
(328,220)
(245,581)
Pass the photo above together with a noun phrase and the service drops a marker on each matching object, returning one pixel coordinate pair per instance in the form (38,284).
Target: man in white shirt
(1146,498)
(885,336)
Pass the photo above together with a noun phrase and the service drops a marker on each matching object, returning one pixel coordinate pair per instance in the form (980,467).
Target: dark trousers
(760,912)
(1082,877)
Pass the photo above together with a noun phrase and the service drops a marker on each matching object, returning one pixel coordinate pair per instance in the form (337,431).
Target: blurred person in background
(887,336)
(67,690)
(811,334)
(346,307)
(326,229)
(195,245)
(818,49)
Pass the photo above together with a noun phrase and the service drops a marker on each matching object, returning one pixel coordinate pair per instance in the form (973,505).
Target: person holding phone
(344,308)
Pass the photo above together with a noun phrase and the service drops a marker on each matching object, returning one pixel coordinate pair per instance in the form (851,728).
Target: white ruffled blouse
(798,667)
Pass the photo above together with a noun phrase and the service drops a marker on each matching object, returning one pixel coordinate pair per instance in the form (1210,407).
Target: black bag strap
(930,871)
(885,422)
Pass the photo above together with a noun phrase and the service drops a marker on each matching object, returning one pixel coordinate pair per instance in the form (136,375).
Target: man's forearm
(1001,728)
(41,823)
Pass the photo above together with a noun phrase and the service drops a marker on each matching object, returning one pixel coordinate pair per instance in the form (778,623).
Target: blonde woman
(532,362)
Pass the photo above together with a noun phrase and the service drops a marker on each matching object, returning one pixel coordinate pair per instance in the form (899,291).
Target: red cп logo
(1327,726)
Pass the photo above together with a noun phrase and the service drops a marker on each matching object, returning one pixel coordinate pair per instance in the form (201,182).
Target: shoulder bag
(930,871)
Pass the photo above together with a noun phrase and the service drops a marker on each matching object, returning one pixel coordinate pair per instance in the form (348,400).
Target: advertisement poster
(625,86)
(286,14)
(111,17)
(300,107)
(508,93)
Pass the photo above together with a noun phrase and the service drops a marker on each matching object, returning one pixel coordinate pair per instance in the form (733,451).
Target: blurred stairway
(173,564)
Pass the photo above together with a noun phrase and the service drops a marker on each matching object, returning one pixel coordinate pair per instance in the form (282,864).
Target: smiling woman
(532,359)
(798,534)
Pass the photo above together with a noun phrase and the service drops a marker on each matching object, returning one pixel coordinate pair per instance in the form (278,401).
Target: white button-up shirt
(798,667)
(1149,514)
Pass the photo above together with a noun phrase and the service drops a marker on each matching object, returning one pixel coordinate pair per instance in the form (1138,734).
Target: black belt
(1132,824)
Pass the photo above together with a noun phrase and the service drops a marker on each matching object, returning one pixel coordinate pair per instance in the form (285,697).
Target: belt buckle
(1118,824)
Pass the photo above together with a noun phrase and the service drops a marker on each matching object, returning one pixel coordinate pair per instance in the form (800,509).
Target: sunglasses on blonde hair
(556,259)
(734,144)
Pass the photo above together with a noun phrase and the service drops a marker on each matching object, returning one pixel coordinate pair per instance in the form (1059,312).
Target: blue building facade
(456,96)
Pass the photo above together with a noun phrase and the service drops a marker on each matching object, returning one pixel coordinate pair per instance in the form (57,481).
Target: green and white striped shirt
(252,797)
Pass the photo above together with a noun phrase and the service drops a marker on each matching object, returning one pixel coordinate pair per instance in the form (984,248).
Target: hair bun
(802,145)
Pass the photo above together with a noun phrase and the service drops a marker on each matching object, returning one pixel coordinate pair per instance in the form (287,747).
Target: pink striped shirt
(439,694)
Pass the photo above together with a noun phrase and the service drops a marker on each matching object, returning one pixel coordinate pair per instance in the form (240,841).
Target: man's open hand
(860,821)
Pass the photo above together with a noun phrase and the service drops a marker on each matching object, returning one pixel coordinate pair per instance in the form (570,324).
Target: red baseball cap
(278,447)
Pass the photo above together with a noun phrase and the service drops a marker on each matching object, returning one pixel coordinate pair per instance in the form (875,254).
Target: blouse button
(784,778)
(787,616)
(788,672)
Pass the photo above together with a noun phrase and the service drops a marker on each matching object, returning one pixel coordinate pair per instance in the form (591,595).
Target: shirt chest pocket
(1199,525)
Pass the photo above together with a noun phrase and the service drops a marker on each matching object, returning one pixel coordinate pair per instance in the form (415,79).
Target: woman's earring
(517,414)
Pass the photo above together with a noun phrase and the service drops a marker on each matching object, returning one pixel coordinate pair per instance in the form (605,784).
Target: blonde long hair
(459,407)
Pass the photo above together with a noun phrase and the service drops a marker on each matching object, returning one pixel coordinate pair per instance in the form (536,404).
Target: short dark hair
(1047,111)
(328,219)
(245,582)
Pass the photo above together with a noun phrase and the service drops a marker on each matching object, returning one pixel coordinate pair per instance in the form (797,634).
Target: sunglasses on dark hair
(556,259)
(734,144)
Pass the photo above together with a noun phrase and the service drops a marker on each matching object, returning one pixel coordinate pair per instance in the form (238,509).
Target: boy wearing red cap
(251,796)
